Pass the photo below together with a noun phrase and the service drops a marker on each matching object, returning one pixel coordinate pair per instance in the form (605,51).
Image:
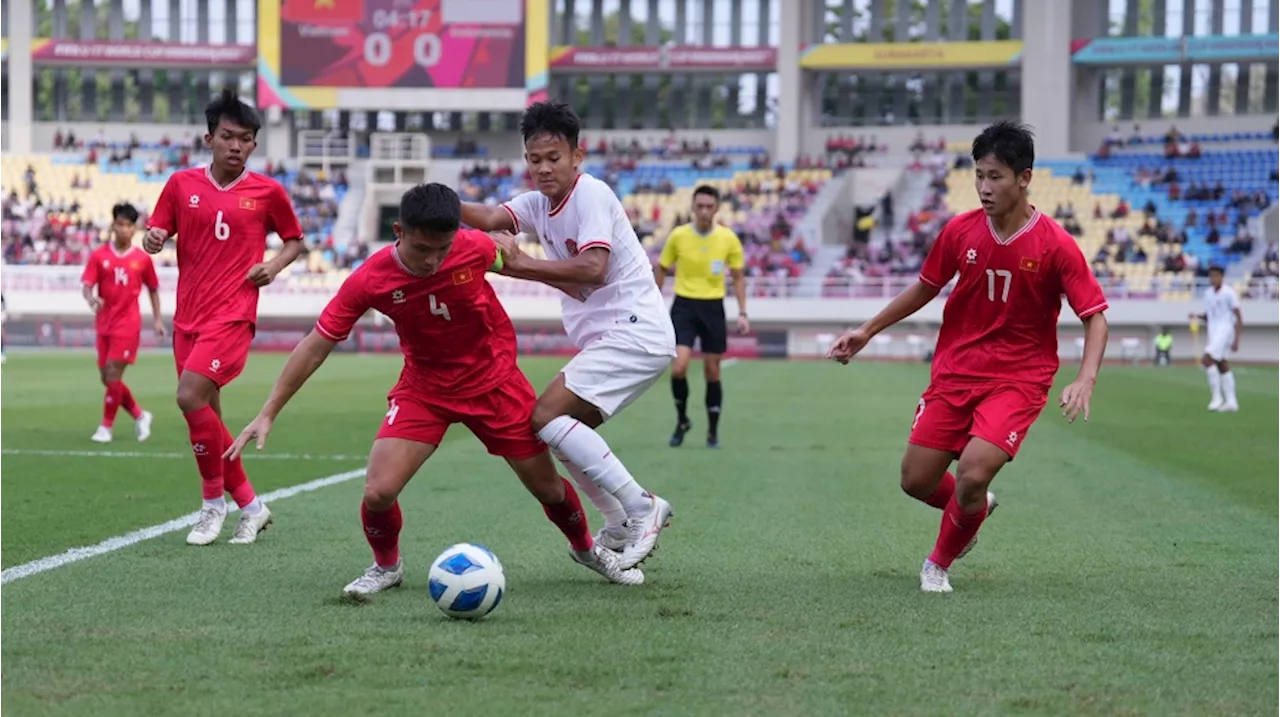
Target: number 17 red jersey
(221,234)
(1001,319)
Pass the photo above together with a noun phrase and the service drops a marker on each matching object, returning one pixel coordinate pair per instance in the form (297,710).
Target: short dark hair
(124,210)
(708,190)
(227,106)
(551,118)
(431,208)
(1011,142)
(1215,268)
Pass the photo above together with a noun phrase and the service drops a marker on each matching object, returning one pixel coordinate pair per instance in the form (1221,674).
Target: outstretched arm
(1075,397)
(487,218)
(589,268)
(307,356)
(903,305)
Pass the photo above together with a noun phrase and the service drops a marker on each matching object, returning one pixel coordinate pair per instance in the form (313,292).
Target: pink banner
(141,54)
(649,59)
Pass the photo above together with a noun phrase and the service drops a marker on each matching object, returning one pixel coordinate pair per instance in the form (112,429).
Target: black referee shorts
(701,319)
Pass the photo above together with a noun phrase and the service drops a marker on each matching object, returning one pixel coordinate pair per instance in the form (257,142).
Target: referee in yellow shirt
(702,253)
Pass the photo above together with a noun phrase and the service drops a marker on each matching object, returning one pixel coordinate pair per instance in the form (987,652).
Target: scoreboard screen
(402,43)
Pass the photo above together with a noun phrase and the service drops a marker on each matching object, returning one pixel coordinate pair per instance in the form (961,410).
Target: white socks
(219,503)
(1215,382)
(585,449)
(253,508)
(609,507)
(1229,387)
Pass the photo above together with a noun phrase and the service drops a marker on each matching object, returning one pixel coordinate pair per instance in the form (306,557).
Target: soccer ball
(467,581)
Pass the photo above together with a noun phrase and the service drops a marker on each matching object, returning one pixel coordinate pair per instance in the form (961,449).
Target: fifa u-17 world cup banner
(402,43)
(46,51)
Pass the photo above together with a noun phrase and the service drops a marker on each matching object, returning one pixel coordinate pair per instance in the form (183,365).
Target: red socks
(382,530)
(942,494)
(111,402)
(206,431)
(956,532)
(237,481)
(570,519)
(127,402)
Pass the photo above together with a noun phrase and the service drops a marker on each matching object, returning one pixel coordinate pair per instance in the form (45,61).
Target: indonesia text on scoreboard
(363,54)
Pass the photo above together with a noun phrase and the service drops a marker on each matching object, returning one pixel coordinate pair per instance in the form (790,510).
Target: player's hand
(258,428)
(1075,399)
(95,304)
(154,241)
(848,345)
(261,275)
(509,246)
(159,328)
(1235,345)
(744,325)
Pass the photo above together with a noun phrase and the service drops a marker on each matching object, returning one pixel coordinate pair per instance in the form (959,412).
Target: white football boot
(992,504)
(1228,407)
(1216,403)
(102,435)
(250,525)
(607,563)
(642,533)
(142,427)
(208,526)
(933,579)
(612,537)
(376,579)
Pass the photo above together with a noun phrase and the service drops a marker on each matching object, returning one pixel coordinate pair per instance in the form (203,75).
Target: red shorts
(999,413)
(500,418)
(121,349)
(217,352)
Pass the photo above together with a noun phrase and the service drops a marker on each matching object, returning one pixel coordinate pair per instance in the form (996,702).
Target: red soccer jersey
(1001,320)
(222,233)
(119,278)
(456,338)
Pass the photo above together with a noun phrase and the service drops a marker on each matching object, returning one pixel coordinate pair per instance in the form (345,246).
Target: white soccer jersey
(629,302)
(1219,309)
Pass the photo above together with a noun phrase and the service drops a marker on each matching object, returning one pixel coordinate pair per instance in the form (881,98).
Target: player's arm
(667,259)
(88,282)
(1084,294)
(595,241)
(487,218)
(152,282)
(334,326)
(283,221)
(163,222)
(737,262)
(1235,310)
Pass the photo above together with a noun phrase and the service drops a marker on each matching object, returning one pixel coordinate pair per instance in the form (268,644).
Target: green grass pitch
(1132,568)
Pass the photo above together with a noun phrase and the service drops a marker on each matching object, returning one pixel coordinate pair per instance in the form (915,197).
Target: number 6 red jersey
(1001,319)
(221,234)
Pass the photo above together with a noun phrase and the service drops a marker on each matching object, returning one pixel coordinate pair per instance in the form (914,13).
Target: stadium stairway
(346,228)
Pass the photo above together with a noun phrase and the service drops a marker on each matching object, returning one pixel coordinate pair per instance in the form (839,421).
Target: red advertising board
(45,51)
(687,58)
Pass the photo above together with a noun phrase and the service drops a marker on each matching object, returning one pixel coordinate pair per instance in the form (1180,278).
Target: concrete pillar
(1213,92)
(1156,96)
(21,80)
(1046,56)
(1243,69)
(793,97)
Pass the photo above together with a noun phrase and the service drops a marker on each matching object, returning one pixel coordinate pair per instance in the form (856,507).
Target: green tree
(616,86)
(46,99)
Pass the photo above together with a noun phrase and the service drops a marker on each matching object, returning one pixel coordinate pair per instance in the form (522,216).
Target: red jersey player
(459,367)
(222,215)
(997,349)
(118,270)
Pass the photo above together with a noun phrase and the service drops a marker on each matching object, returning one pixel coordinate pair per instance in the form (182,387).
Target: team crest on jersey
(571,246)
(1027,264)
(247,203)
(462,276)
(134,265)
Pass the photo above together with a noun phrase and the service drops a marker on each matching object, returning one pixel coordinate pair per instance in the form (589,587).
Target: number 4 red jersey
(119,278)
(221,234)
(1001,320)
(457,340)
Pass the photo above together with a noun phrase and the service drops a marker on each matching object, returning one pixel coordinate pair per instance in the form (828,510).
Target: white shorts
(610,375)
(1219,344)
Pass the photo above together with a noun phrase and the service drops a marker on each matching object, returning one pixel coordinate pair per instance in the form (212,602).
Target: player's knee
(1224,367)
(915,483)
(378,497)
(972,481)
(191,399)
(541,416)
(711,370)
(680,367)
(111,373)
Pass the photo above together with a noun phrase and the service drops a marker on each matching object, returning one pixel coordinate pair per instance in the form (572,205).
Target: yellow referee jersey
(702,260)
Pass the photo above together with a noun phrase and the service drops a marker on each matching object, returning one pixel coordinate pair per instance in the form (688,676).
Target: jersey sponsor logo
(462,276)
(571,246)
(247,203)
(397,297)
(1012,440)
(971,256)
(1028,264)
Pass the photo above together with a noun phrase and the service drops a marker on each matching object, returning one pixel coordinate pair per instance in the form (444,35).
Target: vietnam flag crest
(462,276)
(323,11)
(1028,264)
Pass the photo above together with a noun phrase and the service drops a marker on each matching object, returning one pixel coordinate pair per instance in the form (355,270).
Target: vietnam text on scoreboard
(415,55)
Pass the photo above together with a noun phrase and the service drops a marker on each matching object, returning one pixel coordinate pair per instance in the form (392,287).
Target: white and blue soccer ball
(467,581)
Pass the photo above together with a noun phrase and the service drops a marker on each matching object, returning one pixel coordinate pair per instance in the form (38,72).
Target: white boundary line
(35,567)
(250,455)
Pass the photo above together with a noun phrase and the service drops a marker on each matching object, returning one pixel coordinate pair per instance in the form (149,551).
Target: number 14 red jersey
(1001,319)
(222,233)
